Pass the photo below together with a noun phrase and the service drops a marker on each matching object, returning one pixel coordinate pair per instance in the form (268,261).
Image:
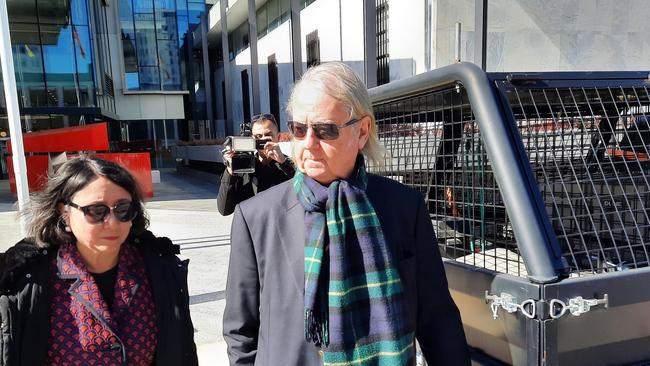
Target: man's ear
(364,131)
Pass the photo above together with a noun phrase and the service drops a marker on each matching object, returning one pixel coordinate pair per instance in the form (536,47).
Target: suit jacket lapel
(291,237)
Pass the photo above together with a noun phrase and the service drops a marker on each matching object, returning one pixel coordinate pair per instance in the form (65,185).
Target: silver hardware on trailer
(576,306)
(508,303)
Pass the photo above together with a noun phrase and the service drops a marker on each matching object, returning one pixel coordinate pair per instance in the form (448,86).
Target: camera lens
(259,144)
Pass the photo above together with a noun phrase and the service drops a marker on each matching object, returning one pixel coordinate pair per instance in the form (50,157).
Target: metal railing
(534,175)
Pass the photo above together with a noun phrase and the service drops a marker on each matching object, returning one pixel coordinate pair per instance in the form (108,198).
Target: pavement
(183,208)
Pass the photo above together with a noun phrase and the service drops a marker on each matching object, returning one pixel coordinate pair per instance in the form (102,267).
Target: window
(238,40)
(246,104)
(53,53)
(223,100)
(306,3)
(383,59)
(153,31)
(270,15)
(274,98)
(313,49)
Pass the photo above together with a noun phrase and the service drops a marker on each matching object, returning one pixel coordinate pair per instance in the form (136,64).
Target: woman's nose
(110,219)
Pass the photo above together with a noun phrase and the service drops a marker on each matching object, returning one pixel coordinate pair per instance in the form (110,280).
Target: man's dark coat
(263,319)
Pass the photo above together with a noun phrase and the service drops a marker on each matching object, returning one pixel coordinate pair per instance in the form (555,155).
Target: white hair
(340,82)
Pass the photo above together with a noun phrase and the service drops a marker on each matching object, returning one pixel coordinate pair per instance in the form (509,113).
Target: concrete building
(387,40)
(135,64)
(164,71)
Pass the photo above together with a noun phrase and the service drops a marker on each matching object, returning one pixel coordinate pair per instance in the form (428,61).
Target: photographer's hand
(227,160)
(272,150)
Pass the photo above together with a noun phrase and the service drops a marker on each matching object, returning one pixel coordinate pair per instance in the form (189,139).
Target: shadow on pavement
(8,201)
(185,185)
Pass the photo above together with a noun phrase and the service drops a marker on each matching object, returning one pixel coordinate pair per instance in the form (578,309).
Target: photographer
(271,167)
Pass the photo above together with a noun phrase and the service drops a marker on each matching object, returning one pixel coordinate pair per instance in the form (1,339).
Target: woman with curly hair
(90,285)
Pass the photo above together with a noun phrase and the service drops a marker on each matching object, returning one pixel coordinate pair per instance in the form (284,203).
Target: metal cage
(538,190)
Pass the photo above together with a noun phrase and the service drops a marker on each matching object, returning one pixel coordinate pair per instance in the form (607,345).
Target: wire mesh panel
(435,146)
(588,147)
(588,144)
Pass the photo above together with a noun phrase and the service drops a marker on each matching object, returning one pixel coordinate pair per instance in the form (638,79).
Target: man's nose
(311,141)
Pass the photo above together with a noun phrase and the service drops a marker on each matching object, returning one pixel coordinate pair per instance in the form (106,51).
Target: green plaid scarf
(354,309)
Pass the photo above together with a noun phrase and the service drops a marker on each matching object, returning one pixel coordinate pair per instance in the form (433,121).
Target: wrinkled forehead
(310,103)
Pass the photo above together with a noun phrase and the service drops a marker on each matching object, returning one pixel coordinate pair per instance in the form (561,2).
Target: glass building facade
(61,58)
(154,34)
(55,62)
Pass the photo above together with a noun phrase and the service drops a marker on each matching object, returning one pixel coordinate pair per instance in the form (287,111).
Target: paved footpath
(184,209)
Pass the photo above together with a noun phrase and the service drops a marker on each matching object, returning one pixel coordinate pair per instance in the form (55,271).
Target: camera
(244,146)
(243,159)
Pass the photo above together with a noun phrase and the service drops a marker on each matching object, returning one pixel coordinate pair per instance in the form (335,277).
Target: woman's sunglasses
(322,130)
(97,213)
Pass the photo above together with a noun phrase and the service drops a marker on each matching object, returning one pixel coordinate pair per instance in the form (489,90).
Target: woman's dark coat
(25,297)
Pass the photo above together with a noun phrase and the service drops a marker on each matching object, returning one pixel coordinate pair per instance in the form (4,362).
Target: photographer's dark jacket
(27,290)
(237,188)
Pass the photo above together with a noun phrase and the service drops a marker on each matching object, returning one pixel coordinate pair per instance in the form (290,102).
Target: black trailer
(538,187)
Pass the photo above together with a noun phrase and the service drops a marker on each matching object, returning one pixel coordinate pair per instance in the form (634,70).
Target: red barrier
(138,164)
(92,137)
(36,172)
(82,138)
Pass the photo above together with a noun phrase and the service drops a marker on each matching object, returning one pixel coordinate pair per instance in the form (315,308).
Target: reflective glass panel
(28,65)
(261,21)
(83,51)
(284,10)
(146,41)
(126,19)
(131,79)
(181,7)
(149,78)
(79,12)
(182,29)
(130,56)
(54,12)
(22,11)
(166,19)
(170,73)
(24,33)
(273,15)
(194,11)
(143,6)
(59,70)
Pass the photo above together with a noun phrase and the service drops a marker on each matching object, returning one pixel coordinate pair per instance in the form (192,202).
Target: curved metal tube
(536,239)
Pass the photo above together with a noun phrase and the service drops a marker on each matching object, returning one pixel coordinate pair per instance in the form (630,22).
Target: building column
(226,69)
(255,72)
(370,42)
(296,50)
(480,33)
(207,83)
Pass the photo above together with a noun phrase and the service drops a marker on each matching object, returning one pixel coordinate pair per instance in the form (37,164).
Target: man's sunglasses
(322,130)
(97,213)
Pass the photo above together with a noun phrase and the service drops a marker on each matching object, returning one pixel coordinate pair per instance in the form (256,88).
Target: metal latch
(576,306)
(508,303)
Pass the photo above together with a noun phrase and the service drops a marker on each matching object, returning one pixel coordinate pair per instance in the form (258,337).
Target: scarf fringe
(317,328)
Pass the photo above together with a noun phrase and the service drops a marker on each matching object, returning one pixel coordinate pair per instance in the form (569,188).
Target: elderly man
(337,267)
(271,167)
